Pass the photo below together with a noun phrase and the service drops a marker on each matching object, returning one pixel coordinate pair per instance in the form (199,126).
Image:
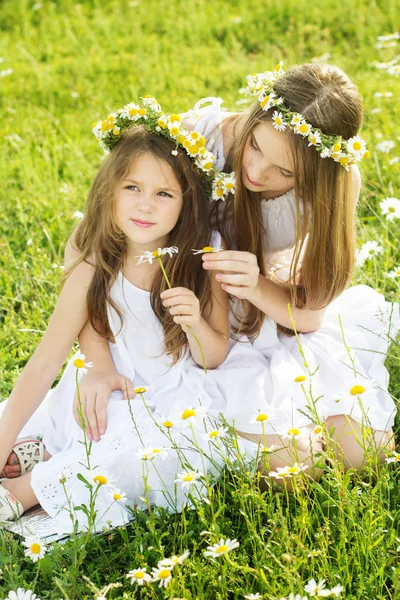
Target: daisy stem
(88,447)
(189,328)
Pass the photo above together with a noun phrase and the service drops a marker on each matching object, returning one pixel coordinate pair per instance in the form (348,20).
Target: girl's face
(267,165)
(149,202)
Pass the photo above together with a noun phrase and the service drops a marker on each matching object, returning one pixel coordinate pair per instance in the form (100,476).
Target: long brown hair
(100,240)
(329,100)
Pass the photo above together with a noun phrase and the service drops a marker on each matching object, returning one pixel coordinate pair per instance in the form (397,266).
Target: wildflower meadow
(285,536)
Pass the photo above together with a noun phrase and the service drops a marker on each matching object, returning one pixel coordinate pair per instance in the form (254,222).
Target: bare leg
(22,490)
(354,443)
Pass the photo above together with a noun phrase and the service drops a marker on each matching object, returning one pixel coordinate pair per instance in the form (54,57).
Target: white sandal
(29,451)
(10,507)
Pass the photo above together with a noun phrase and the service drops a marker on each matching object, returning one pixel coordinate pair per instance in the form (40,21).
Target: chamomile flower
(314,553)
(394,274)
(278,122)
(385,44)
(314,138)
(295,597)
(383,94)
(358,387)
(314,589)
(190,416)
(151,103)
(394,70)
(188,478)
(152,452)
(391,208)
(21,594)
(317,432)
(162,574)
(78,214)
(117,495)
(206,250)
(394,160)
(303,129)
(221,548)
(168,424)
(356,146)
(288,471)
(256,596)
(138,576)
(371,249)
(148,256)
(170,563)
(131,111)
(297,119)
(394,459)
(385,146)
(388,37)
(269,449)
(35,548)
(261,417)
(302,379)
(81,364)
(215,433)
(99,477)
(293,432)
(325,153)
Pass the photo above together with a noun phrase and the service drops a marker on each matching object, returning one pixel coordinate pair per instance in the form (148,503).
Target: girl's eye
(130,187)
(165,194)
(252,145)
(285,175)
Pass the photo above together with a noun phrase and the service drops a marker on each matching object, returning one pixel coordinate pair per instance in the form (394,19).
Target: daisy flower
(261,417)
(394,160)
(168,424)
(253,596)
(394,274)
(98,477)
(392,70)
(206,250)
(269,449)
(188,478)
(391,208)
(163,575)
(278,122)
(297,119)
(215,433)
(170,563)
(394,459)
(371,249)
(385,44)
(35,548)
(314,589)
(288,471)
(291,432)
(117,495)
(385,146)
(325,153)
(151,102)
(79,363)
(383,94)
(314,138)
(190,415)
(356,146)
(222,547)
(78,214)
(358,388)
(303,129)
(138,576)
(21,594)
(388,37)
(313,553)
(317,432)
(335,591)
(153,451)
(148,256)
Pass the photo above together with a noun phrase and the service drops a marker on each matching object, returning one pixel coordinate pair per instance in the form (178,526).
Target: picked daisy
(21,594)
(138,576)
(394,459)
(170,563)
(148,256)
(278,122)
(303,129)
(390,207)
(81,364)
(188,478)
(35,548)
(215,433)
(189,416)
(206,250)
(288,471)
(222,547)
(356,146)
(162,574)
(394,274)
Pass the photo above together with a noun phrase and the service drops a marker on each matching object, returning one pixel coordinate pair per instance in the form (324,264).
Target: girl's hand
(184,306)
(95,388)
(240,272)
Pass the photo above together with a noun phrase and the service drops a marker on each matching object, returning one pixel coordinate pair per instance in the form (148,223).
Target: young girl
(147,204)
(292,224)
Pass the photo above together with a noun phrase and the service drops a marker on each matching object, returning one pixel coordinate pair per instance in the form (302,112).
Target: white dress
(138,354)
(368,323)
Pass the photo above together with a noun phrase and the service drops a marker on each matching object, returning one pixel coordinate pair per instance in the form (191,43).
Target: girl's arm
(212,330)
(67,320)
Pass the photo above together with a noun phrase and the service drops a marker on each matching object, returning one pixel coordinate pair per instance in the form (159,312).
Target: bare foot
(13,468)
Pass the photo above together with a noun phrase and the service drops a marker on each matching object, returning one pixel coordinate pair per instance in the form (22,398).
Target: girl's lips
(253,182)
(140,223)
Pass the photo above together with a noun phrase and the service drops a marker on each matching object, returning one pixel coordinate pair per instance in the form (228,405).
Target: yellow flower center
(162,123)
(164,574)
(220,192)
(397,457)
(174,118)
(174,130)
(94,124)
(186,143)
(356,390)
(317,430)
(214,434)
(391,209)
(139,575)
(229,185)
(293,431)
(367,154)
(201,141)
(188,477)
(303,128)
(155,254)
(357,146)
(336,147)
(278,121)
(207,249)
(262,417)
(111,118)
(194,149)
(189,412)
(300,378)
(35,548)
(142,112)
(133,112)
(156,451)
(140,390)
(221,549)
(168,424)
(116,131)
(100,479)
(79,363)
(117,496)
(344,160)
(264,102)
(292,470)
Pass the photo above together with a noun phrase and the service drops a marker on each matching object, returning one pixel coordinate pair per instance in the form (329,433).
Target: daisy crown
(346,152)
(148,114)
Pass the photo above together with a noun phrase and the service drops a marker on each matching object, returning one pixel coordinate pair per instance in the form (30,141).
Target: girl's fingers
(181,310)
(234,290)
(101,415)
(236,279)
(184,300)
(230,265)
(177,291)
(91,419)
(229,255)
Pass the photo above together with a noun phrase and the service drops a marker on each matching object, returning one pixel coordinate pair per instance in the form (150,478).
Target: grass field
(63,65)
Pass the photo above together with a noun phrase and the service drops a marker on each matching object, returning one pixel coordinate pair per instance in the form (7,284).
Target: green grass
(109,53)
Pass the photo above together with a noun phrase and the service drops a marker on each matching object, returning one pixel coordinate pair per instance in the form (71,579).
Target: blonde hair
(98,236)
(329,100)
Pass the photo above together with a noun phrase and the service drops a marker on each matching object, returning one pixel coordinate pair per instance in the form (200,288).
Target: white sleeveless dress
(138,354)
(368,323)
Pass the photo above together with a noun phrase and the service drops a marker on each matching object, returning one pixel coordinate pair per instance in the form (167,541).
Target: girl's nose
(146,203)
